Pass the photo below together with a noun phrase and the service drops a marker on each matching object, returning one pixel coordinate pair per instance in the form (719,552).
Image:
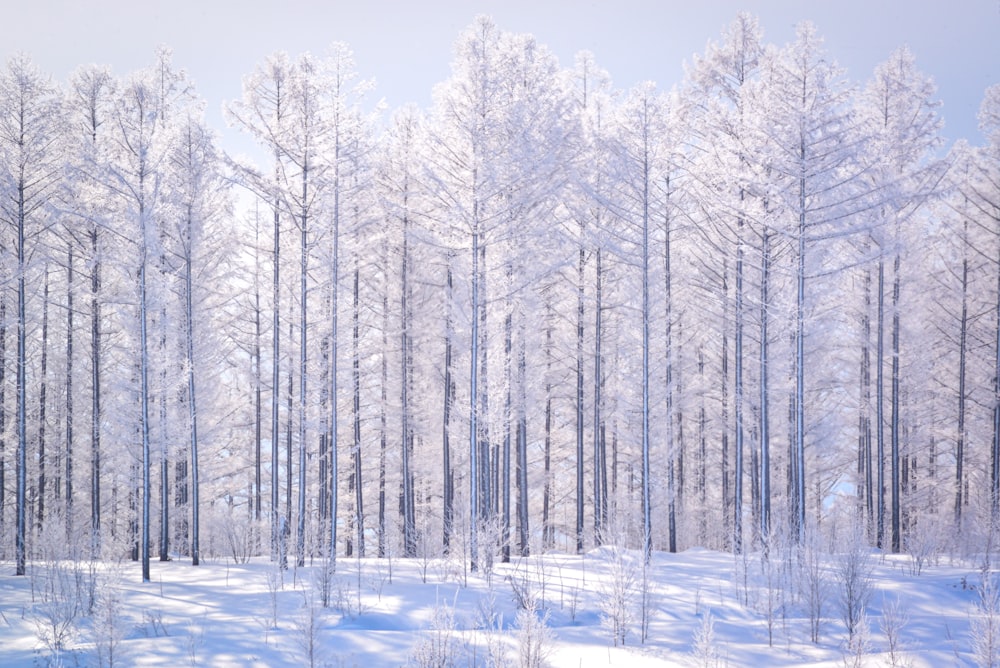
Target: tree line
(544,313)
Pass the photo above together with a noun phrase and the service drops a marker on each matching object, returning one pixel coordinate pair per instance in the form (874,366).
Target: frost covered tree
(901,124)
(30,132)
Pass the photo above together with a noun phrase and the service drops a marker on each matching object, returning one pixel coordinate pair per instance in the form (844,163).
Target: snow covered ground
(704,609)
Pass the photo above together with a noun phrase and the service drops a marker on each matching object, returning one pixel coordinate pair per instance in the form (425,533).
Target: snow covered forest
(543,315)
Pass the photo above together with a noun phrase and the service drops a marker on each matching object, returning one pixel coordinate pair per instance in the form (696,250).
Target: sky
(406,47)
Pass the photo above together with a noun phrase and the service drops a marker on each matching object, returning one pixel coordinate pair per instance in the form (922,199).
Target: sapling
(985,623)
(858,644)
(892,622)
(490,622)
(436,646)
(854,577)
(618,596)
(108,622)
(534,638)
(307,626)
(705,647)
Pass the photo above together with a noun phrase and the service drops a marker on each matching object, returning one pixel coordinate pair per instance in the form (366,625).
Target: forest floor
(703,608)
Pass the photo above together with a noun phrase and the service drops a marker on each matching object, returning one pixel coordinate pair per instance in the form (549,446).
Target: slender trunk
(334,310)
(258,418)
(192,398)
(522,444)
(3,409)
(880,406)
(647,520)
(995,445)
(42,391)
(289,438)
(600,463)
(448,500)
(95,389)
(359,508)
(738,394)
(483,425)
(508,328)
(144,399)
(162,424)
(963,334)
(799,523)
(276,540)
(474,402)
(69,393)
(727,499)
(865,420)
(383,422)
(579,395)
(20,544)
(407,494)
(764,428)
(548,531)
(300,535)
(702,484)
(672,459)
(895,419)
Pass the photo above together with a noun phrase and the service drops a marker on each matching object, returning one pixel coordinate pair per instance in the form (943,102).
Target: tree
(197,189)
(902,127)
(263,113)
(89,108)
(817,189)
(639,163)
(30,131)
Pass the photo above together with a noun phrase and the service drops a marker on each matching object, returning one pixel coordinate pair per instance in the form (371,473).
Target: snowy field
(702,608)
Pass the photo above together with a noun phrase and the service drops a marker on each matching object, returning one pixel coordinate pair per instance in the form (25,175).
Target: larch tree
(196,188)
(263,112)
(134,179)
(817,186)
(902,129)
(30,131)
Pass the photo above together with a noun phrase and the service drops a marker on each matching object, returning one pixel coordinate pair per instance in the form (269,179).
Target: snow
(383,612)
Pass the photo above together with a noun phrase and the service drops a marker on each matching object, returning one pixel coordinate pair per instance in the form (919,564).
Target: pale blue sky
(406,46)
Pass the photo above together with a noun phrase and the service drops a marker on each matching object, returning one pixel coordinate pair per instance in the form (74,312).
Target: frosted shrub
(854,577)
(534,638)
(618,596)
(704,647)
(436,646)
(307,625)
(109,626)
(892,622)
(858,645)
(985,623)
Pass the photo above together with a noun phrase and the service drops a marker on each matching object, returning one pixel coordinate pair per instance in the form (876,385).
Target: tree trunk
(764,428)
(672,459)
(407,493)
(600,461)
(192,397)
(144,398)
(276,540)
(42,391)
(579,395)
(69,395)
(880,406)
(95,381)
(359,509)
(895,424)
(300,534)
(963,335)
(474,405)
(20,544)
(449,495)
